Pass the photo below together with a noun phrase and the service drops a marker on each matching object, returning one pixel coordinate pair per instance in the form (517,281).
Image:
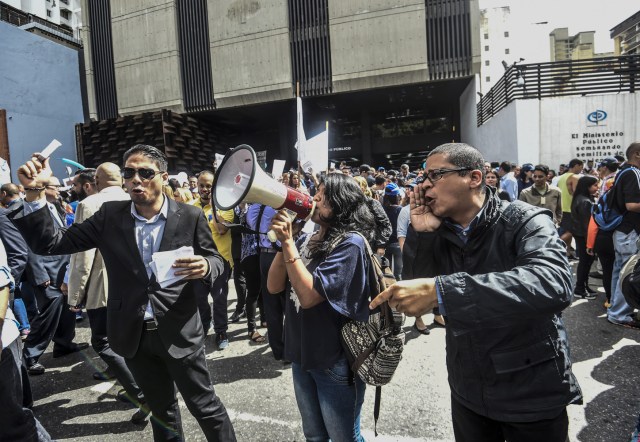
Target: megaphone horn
(239,179)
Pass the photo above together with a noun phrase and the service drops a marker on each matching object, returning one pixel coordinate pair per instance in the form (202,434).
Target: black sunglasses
(145,174)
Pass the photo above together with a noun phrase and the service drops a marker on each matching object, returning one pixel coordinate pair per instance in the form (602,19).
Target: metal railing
(607,75)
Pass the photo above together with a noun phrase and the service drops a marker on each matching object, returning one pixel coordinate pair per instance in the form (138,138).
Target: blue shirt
(265,222)
(148,233)
(312,336)
(509,184)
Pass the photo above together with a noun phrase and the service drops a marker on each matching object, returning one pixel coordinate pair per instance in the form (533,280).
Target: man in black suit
(157,330)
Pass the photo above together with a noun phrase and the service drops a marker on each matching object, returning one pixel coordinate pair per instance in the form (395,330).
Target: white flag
(299,126)
(315,152)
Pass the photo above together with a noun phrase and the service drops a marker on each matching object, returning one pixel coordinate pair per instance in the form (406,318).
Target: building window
(48,13)
(486,48)
(506,51)
(487,79)
(486,36)
(506,33)
(65,14)
(486,63)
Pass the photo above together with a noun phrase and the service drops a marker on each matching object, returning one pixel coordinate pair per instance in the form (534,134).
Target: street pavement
(258,391)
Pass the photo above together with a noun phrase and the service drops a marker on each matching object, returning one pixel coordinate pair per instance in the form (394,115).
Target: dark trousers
(273,308)
(251,269)
(54,321)
(156,372)
(240,283)
(607,255)
(584,264)
(219,294)
(115,362)
(16,421)
(471,427)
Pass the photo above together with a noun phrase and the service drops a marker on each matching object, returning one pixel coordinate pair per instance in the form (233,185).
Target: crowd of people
(470,241)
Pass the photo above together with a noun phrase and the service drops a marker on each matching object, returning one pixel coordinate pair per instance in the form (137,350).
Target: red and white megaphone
(240,179)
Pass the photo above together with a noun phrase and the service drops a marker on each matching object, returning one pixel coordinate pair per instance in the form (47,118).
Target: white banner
(301,138)
(278,168)
(315,152)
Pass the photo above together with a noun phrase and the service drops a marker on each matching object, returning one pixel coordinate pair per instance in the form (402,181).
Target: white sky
(577,15)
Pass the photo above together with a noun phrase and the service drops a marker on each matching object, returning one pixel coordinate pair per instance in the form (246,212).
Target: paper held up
(162,265)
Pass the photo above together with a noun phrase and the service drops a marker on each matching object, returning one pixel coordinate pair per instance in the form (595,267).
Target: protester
(501,279)
(541,194)
(392,207)
(524,177)
(567,184)
(625,236)
(492,179)
(581,207)
(508,182)
(157,330)
(328,273)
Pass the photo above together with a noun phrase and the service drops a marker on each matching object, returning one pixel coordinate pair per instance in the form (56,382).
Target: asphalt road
(258,391)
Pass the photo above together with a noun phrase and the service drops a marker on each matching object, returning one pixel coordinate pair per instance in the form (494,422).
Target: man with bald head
(88,287)
(9,193)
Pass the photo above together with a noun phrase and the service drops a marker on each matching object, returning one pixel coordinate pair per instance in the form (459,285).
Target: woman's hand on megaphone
(281,226)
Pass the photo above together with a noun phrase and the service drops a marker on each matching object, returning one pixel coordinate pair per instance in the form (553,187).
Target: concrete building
(626,36)
(386,75)
(571,47)
(496,42)
(584,109)
(64,13)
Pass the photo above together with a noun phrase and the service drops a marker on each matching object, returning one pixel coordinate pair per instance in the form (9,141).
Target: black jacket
(111,230)
(503,293)
(580,214)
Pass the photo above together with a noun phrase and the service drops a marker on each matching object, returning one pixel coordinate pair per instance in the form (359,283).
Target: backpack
(606,216)
(630,279)
(374,348)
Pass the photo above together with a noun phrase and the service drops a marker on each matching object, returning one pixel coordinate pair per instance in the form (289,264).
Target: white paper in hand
(50,149)
(162,265)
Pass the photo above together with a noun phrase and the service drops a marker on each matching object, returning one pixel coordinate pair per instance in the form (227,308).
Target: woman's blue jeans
(20,311)
(329,406)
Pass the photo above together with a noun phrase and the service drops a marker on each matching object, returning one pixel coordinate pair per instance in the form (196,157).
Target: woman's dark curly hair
(350,213)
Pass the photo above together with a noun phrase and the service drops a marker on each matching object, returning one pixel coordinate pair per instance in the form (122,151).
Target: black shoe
(590,290)
(222,341)
(123,396)
(584,295)
(35,369)
(103,375)
(237,316)
(58,353)
(140,416)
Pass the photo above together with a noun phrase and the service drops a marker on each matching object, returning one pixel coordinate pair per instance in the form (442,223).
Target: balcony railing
(17,17)
(607,75)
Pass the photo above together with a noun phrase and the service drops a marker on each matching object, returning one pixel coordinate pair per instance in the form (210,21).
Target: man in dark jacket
(501,279)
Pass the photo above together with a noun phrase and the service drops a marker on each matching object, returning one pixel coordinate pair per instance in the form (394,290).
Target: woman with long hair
(362,182)
(583,200)
(328,275)
(492,179)
(524,177)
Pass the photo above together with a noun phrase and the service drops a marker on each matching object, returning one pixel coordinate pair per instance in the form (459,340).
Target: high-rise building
(626,36)
(496,45)
(571,47)
(202,75)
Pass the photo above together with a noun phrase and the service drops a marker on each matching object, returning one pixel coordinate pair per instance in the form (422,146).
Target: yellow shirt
(223,242)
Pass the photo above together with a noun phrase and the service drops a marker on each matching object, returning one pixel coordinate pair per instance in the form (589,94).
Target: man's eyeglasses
(437,174)
(143,173)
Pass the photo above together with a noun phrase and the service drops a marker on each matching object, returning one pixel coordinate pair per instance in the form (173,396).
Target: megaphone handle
(272,236)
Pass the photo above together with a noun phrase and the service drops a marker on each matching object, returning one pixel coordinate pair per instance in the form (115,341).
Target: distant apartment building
(571,47)
(626,36)
(64,13)
(496,45)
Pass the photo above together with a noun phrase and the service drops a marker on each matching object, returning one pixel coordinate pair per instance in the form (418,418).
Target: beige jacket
(87,275)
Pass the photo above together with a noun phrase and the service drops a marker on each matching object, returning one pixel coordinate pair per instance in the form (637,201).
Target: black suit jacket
(111,230)
(14,244)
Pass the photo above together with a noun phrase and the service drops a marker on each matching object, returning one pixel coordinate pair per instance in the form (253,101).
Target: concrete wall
(85,36)
(38,108)
(553,130)
(250,55)
(146,58)
(377,43)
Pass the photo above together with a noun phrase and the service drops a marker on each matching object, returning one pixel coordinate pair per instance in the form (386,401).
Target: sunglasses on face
(143,173)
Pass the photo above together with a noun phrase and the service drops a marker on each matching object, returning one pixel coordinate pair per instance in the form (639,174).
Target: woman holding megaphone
(328,274)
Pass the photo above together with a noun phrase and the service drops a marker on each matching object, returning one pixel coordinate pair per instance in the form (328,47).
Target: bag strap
(376,409)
